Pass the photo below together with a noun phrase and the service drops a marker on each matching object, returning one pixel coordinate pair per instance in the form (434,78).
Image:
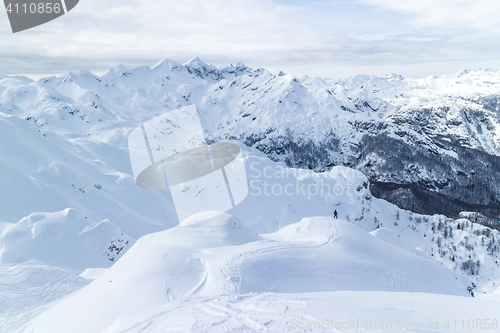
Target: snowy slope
(63,239)
(314,255)
(69,204)
(439,134)
(322,312)
(29,288)
(266,244)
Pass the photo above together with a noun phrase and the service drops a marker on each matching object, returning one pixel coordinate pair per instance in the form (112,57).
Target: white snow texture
(84,249)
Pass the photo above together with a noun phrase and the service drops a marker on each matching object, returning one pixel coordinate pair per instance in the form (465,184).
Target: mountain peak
(473,70)
(196,62)
(464,72)
(240,66)
(393,77)
(119,70)
(167,64)
(203,70)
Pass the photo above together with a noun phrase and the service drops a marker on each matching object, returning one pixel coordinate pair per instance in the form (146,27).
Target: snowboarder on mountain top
(335,214)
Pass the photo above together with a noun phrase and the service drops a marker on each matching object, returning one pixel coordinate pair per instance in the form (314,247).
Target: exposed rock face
(429,145)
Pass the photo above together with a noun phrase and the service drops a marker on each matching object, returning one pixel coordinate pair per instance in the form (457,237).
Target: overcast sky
(328,38)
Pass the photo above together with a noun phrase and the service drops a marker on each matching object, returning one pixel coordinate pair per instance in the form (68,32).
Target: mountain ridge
(444,128)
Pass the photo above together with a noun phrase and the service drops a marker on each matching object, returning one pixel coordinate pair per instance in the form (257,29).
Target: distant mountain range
(429,145)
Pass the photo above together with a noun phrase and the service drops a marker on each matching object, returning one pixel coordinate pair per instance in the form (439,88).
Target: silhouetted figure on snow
(335,214)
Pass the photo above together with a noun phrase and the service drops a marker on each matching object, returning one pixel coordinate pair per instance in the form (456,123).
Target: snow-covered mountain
(286,245)
(425,144)
(79,239)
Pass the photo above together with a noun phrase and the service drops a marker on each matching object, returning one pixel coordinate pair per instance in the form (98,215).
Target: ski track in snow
(69,203)
(28,289)
(269,312)
(233,272)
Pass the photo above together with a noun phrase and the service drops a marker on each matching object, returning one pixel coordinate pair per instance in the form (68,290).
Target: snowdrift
(219,257)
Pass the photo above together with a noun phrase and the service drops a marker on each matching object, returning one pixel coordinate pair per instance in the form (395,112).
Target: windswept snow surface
(219,257)
(271,251)
(341,311)
(29,288)
(83,249)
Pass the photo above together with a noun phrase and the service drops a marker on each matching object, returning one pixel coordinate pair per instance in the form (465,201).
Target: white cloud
(135,29)
(326,38)
(449,14)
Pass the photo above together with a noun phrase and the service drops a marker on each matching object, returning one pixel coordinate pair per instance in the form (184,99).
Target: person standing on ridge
(335,214)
